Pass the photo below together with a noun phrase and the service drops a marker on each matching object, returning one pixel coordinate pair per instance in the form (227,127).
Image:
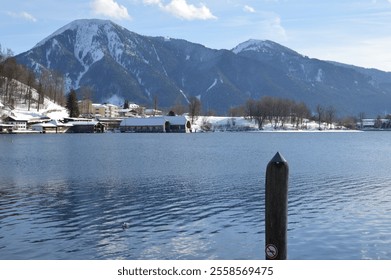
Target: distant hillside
(114,61)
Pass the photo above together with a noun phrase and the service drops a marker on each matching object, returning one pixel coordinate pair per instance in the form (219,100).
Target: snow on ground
(47,109)
(206,123)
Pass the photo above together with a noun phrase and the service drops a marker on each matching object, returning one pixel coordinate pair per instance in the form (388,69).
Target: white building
(105,110)
(169,124)
(17,123)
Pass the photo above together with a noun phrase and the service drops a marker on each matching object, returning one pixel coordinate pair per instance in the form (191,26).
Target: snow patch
(252,45)
(184,95)
(139,78)
(157,56)
(319,77)
(148,93)
(116,47)
(212,86)
(158,59)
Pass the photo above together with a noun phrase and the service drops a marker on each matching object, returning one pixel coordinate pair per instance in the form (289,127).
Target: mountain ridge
(114,61)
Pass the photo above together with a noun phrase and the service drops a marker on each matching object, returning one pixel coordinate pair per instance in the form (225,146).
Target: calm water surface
(193,196)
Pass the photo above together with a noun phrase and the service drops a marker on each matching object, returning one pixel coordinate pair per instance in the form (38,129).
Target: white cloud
(23,15)
(273,27)
(151,2)
(250,9)
(184,10)
(260,25)
(110,8)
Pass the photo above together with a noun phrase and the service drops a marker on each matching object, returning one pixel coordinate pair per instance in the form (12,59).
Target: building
(86,127)
(53,126)
(374,124)
(165,124)
(111,124)
(82,125)
(85,108)
(44,127)
(152,112)
(105,110)
(133,110)
(17,123)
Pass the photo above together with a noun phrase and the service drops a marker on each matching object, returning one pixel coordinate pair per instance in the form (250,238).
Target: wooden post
(276,208)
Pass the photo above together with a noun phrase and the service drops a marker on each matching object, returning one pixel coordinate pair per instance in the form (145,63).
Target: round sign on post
(271,251)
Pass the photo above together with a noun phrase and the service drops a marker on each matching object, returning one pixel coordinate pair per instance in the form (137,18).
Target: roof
(154,121)
(17,119)
(176,120)
(44,125)
(92,123)
(6,125)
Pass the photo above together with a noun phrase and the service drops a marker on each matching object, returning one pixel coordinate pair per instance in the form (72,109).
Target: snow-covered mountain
(114,61)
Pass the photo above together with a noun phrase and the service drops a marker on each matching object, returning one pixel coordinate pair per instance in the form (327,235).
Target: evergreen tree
(126,104)
(72,104)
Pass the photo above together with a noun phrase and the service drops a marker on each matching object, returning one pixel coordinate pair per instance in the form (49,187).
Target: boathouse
(17,123)
(165,124)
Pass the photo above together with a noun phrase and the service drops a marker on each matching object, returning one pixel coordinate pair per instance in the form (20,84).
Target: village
(102,118)
(49,117)
(94,118)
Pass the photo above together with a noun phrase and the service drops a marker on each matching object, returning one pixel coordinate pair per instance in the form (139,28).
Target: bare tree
(330,113)
(361,117)
(320,114)
(30,85)
(300,112)
(194,108)
(155,100)
(41,96)
(178,108)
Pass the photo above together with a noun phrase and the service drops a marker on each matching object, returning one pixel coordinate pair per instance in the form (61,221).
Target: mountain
(114,61)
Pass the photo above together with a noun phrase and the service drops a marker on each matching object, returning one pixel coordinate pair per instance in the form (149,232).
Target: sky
(353,32)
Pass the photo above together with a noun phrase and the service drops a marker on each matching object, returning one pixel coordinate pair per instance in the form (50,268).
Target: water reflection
(199,198)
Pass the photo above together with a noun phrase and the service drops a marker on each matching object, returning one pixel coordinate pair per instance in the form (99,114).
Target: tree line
(48,84)
(277,111)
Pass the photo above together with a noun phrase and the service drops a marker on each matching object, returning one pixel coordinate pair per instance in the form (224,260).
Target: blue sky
(355,32)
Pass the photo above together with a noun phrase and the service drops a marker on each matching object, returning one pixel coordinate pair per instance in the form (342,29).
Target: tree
(378,122)
(41,96)
(300,112)
(126,104)
(30,85)
(361,117)
(178,108)
(320,113)
(194,108)
(72,104)
(155,100)
(330,115)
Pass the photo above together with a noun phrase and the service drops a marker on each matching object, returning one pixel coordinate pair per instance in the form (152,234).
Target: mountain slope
(112,60)
(350,89)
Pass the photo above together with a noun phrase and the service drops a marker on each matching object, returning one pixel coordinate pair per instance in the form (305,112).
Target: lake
(191,196)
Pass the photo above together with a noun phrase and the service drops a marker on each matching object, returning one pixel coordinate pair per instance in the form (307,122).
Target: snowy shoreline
(242,124)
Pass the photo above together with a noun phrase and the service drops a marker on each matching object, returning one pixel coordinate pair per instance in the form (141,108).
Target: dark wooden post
(276,208)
